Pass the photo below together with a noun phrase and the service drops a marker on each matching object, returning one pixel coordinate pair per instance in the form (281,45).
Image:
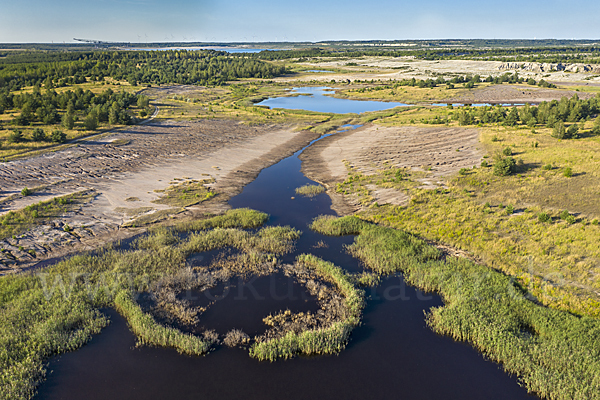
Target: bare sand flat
(439,152)
(228,152)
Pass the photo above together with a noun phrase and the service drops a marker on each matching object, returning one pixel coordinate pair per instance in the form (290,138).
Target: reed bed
(276,240)
(243,218)
(326,340)
(310,190)
(57,309)
(554,353)
(149,332)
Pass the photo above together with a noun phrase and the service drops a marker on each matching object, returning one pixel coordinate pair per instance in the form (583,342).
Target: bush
(26,191)
(507,151)
(544,217)
(91,122)
(505,166)
(16,136)
(572,131)
(38,135)
(58,136)
(547,167)
(510,209)
(568,172)
(484,164)
(559,131)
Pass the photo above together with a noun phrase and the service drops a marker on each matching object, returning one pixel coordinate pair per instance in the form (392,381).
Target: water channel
(392,355)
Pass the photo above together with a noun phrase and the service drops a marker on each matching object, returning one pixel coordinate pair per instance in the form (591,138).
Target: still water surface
(392,355)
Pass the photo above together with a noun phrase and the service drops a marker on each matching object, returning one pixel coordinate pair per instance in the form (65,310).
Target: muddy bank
(126,179)
(435,152)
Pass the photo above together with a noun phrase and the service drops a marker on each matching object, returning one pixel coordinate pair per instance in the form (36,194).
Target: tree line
(136,67)
(553,114)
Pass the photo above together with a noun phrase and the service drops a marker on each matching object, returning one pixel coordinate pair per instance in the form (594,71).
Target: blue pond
(316,99)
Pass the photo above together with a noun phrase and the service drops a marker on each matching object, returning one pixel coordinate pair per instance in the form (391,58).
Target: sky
(59,21)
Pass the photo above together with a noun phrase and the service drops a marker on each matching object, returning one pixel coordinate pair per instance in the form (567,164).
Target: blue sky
(307,20)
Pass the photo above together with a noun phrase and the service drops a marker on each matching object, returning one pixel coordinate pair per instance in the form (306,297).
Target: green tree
(505,166)
(38,135)
(16,136)
(58,136)
(91,121)
(68,121)
(559,131)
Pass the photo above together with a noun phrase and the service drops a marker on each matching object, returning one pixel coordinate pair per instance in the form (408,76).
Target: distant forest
(57,69)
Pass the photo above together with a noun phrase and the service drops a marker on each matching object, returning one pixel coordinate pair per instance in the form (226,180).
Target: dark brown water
(392,355)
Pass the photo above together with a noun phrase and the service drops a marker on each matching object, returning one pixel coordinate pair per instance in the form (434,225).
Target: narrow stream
(392,355)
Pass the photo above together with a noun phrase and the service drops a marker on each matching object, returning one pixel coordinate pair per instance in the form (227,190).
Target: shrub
(91,122)
(38,135)
(507,151)
(504,166)
(544,217)
(510,209)
(463,171)
(572,131)
(16,136)
(484,164)
(58,136)
(26,191)
(559,131)
(547,167)
(568,172)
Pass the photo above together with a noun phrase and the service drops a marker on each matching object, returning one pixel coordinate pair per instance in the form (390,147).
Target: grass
(57,310)
(243,218)
(186,194)
(149,332)
(496,218)
(310,190)
(17,222)
(149,219)
(555,354)
(327,340)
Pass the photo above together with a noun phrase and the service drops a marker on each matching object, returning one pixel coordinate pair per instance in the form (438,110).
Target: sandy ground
(405,68)
(445,150)
(230,152)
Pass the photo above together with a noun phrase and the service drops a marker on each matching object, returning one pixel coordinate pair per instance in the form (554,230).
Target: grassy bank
(149,332)
(554,353)
(57,309)
(497,218)
(327,340)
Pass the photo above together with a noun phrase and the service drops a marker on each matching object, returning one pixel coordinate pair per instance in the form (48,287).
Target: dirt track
(445,150)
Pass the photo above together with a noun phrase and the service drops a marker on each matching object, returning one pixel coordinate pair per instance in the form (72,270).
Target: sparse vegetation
(310,190)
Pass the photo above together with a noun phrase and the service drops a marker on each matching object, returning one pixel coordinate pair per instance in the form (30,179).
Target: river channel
(392,355)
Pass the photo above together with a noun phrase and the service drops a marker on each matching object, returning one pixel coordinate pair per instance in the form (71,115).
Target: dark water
(315,99)
(392,355)
(243,303)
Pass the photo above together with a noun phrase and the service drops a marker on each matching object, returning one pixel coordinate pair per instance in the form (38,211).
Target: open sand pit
(438,152)
(126,179)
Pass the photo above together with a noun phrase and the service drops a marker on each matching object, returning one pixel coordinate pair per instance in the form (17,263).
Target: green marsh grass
(57,309)
(149,332)
(310,190)
(327,340)
(554,353)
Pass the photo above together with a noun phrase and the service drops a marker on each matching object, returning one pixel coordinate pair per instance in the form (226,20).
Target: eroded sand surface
(436,152)
(229,152)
